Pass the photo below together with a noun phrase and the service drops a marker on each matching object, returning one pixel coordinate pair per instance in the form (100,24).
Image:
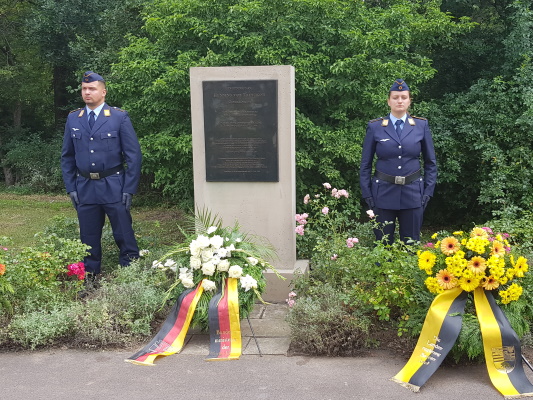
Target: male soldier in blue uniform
(101,165)
(398,190)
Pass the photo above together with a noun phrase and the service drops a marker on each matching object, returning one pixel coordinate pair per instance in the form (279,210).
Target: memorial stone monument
(243,139)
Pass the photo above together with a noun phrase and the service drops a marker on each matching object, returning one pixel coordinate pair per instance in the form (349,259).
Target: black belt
(100,175)
(398,180)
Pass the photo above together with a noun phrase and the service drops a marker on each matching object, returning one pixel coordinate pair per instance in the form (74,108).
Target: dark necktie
(398,124)
(91,119)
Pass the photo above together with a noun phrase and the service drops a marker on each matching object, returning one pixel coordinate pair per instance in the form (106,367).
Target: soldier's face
(93,93)
(399,103)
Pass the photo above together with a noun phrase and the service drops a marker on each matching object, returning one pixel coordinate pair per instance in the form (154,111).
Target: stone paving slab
(271,330)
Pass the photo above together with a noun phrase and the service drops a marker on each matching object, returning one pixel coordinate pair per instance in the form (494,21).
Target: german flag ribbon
(503,353)
(441,329)
(224,323)
(170,338)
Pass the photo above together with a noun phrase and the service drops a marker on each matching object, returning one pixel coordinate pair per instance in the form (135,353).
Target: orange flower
(490,283)
(446,280)
(477,265)
(449,245)
(497,249)
(2,269)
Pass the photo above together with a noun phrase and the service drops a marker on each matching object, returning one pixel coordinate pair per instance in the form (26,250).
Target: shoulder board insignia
(81,112)
(425,119)
(107,112)
(385,122)
(118,109)
(73,111)
(411,121)
(375,120)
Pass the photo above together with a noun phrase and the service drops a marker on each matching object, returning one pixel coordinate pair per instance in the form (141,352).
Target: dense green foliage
(468,62)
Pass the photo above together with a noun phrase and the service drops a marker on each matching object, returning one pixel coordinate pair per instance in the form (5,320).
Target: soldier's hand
(370,202)
(74,198)
(126,200)
(425,201)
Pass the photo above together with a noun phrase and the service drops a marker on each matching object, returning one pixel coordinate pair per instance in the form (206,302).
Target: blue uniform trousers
(409,220)
(92,218)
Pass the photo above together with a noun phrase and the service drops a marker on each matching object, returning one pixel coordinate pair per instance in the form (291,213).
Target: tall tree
(346,54)
(23,79)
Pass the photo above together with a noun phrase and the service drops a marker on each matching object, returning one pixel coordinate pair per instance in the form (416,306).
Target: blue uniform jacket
(398,157)
(110,143)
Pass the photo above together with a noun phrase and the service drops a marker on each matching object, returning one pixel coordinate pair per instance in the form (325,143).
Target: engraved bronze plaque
(241,131)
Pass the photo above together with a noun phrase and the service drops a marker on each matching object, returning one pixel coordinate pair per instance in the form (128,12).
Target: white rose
(222,252)
(187,282)
(247,282)
(235,271)
(211,229)
(144,252)
(208,285)
(207,254)
(195,262)
(223,265)
(157,264)
(216,241)
(195,248)
(203,241)
(170,263)
(252,260)
(208,268)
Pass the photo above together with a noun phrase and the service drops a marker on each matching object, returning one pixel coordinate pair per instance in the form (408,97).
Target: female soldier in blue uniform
(398,189)
(99,142)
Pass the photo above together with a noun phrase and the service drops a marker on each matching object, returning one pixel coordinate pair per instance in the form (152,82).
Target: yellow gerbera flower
(490,283)
(426,261)
(521,267)
(479,232)
(497,249)
(449,245)
(477,265)
(468,284)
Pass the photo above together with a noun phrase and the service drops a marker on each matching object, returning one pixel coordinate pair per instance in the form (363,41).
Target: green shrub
(39,274)
(124,308)
(325,325)
(38,328)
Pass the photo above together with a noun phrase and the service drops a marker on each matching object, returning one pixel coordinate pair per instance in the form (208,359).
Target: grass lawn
(21,216)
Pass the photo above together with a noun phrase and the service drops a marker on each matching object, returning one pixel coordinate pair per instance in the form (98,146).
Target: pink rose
(301,218)
(325,210)
(299,230)
(334,257)
(351,241)
(306,199)
(327,185)
(370,213)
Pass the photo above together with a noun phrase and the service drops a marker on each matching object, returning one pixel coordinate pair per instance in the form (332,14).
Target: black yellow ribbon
(441,329)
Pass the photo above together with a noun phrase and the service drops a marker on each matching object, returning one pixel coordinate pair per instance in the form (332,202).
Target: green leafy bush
(324,325)
(39,274)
